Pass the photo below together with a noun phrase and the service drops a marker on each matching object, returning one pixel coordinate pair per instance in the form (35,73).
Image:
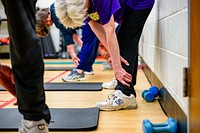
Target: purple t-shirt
(102,10)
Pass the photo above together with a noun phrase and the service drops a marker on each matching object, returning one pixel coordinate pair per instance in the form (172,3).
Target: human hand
(122,76)
(124,61)
(77,39)
(43,21)
(105,54)
(75,59)
(48,21)
(109,61)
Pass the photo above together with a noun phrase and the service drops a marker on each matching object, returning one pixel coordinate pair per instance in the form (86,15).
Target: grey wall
(164,45)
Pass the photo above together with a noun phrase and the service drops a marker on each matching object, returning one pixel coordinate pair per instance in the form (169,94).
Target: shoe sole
(86,73)
(79,79)
(135,106)
(108,88)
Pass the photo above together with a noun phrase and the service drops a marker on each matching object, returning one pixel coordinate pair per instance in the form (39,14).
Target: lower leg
(128,38)
(26,59)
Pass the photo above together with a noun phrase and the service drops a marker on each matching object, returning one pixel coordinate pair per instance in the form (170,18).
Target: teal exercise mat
(59,68)
(62,119)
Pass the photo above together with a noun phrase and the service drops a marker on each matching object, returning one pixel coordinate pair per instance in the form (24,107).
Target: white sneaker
(89,73)
(110,85)
(118,101)
(33,126)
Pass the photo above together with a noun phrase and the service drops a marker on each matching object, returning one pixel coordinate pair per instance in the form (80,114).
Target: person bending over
(101,15)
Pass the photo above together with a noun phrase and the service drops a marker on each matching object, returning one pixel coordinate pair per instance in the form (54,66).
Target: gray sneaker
(33,126)
(74,76)
(118,101)
(106,66)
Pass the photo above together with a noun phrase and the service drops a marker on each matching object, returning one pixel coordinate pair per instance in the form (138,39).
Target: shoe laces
(113,81)
(23,126)
(111,98)
(73,72)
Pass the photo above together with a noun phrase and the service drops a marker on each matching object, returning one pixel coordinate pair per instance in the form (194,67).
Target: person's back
(118,8)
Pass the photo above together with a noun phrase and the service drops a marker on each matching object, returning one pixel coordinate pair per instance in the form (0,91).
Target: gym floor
(126,121)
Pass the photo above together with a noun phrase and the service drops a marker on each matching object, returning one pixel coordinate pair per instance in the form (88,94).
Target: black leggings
(128,38)
(26,59)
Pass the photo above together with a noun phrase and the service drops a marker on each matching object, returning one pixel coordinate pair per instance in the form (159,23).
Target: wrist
(116,66)
(73,54)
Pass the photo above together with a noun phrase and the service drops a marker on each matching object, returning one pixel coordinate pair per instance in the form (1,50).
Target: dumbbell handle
(168,126)
(159,125)
(162,129)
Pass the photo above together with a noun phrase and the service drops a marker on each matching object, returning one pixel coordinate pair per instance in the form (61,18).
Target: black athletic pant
(26,59)
(128,38)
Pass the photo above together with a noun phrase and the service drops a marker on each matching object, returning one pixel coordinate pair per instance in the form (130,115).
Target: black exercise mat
(59,68)
(75,86)
(68,86)
(63,119)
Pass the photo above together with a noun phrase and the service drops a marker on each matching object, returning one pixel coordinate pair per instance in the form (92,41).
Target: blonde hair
(71,12)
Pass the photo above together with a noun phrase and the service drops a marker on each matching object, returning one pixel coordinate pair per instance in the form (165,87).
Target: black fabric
(63,119)
(59,68)
(26,59)
(128,38)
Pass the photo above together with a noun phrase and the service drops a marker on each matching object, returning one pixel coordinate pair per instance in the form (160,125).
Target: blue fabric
(89,49)
(90,46)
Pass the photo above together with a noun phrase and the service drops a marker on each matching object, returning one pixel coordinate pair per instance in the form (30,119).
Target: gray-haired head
(71,13)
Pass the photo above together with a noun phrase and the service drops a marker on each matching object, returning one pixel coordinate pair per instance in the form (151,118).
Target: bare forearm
(113,48)
(112,44)
(99,32)
(70,49)
(107,36)
(73,55)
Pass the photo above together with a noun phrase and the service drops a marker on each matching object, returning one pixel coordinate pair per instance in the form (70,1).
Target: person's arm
(77,39)
(70,49)
(106,34)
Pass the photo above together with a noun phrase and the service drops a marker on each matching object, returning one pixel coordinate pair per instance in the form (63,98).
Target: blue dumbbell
(169,126)
(149,95)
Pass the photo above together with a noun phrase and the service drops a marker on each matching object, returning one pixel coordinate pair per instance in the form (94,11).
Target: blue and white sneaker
(74,76)
(118,101)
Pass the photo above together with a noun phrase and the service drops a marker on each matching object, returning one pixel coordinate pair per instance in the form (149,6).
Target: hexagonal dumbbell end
(154,90)
(149,95)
